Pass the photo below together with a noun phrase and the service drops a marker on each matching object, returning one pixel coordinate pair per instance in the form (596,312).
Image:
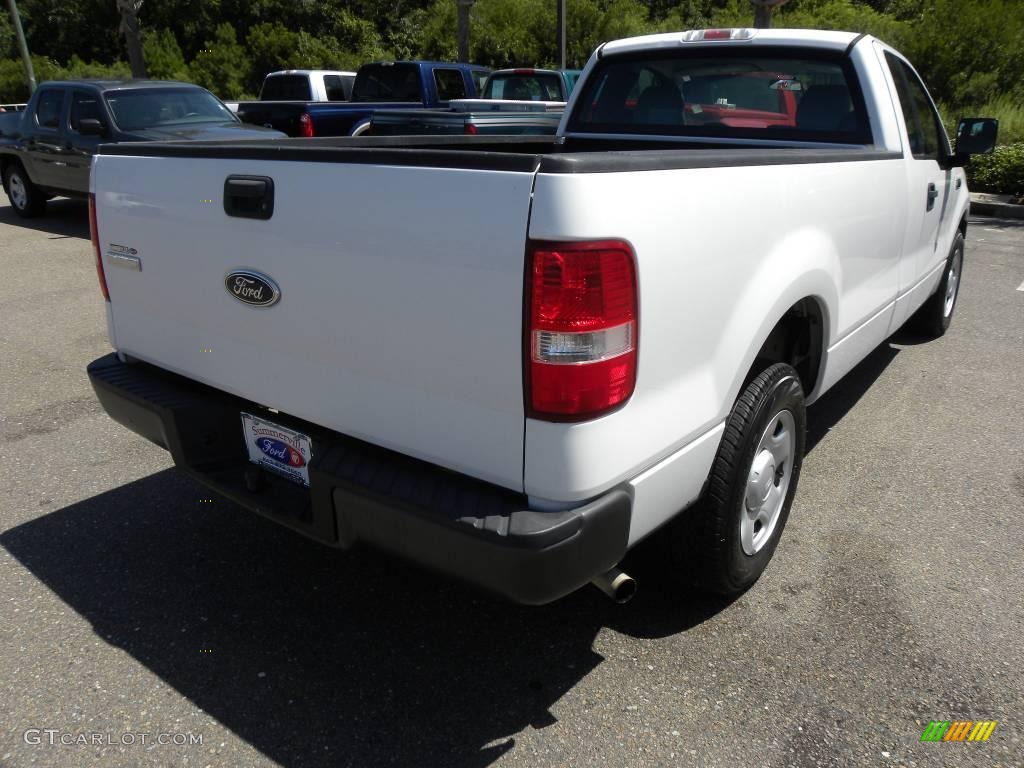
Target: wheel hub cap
(768,482)
(18,196)
(952,283)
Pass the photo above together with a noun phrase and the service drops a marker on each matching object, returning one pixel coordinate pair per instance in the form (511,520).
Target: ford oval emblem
(252,288)
(283,452)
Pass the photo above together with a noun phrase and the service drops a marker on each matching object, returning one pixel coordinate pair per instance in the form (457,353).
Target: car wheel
(25,198)
(935,315)
(728,540)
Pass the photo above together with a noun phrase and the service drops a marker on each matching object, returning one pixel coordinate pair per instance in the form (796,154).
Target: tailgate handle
(249,197)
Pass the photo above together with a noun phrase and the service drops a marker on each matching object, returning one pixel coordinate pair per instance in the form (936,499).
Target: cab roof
(120,85)
(797,38)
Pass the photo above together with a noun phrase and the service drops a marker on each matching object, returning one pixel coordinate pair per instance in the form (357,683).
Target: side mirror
(976,135)
(90,126)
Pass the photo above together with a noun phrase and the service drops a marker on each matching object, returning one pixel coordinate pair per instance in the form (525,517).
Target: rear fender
(803,265)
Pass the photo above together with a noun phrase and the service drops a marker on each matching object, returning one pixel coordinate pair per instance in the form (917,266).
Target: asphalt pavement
(137,612)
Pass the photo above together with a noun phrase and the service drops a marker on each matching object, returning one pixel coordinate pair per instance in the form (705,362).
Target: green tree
(60,29)
(975,58)
(273,46)
(8,44)
(164,58)
(223,65)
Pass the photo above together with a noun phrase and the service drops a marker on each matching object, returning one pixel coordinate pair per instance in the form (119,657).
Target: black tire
(33,202)
(708,542)
(933,318)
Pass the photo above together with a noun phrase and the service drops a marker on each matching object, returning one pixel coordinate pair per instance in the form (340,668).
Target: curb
(996,209)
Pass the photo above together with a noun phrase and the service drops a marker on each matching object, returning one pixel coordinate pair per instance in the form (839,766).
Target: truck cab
(307,85)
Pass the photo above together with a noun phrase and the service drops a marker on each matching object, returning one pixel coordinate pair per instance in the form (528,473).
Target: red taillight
(306,126)
(94,235)
(469,129)
(582,335)
(717,34)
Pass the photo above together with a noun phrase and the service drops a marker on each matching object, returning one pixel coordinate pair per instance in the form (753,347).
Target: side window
(335,88)
(923,126)
(48,109)
(84,106)
(479,78)
(450,84)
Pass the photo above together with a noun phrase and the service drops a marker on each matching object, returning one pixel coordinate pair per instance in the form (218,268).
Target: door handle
(933,192)
(249,197)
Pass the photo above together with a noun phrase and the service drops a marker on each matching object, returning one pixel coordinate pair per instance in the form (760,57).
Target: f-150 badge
(252,288)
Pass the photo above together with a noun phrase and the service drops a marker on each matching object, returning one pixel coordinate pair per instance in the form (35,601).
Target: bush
(14,87)
(164,59)
(223,66)
(1001,172)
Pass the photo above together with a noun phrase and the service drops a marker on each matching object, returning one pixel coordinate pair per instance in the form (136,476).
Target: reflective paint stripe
(958,731)
(982,730)
(935,730)
(1020,287)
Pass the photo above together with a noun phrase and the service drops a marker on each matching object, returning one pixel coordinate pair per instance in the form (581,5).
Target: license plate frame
(279,449)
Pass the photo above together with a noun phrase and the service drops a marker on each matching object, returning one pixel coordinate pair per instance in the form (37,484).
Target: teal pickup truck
(514,102)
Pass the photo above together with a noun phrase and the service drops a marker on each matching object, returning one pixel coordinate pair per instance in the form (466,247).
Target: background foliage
(970,52)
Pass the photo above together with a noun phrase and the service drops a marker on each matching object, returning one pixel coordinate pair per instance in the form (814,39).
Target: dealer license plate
(277,448)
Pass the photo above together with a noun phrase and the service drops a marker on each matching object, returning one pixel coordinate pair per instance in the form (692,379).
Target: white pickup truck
(512,360)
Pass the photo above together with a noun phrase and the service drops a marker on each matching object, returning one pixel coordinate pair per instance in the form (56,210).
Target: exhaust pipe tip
(619,586)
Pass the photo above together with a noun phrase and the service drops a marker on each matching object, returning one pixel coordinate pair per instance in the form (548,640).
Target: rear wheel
(935,315)
(729,540)
(26,200)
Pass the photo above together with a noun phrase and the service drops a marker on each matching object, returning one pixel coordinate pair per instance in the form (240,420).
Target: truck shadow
(321,658)
(318,657)
(64,217)
(841,398)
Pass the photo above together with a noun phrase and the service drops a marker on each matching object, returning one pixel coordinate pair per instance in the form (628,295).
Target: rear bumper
(358,492)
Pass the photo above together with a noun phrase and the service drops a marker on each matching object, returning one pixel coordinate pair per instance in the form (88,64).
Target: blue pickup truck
(378,86)
(515,102)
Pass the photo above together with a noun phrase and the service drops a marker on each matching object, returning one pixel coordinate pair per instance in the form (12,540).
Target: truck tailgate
(400,312)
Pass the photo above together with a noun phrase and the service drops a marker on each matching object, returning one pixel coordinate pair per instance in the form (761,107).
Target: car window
(48,109)
(338,88)
(450,84)
(84,106)
(385,81)
(138,109)
(286,88)
(524,86)
(479,78)
(774,93)
(572,77)
(924,128)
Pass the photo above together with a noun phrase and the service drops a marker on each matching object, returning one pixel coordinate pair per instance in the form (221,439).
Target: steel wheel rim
(952,284)
(768,482)
(18,194)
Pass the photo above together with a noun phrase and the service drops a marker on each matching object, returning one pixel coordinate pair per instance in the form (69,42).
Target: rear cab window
(338,87)
(525,86)
(386,82)
(286,88)
(764,93)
